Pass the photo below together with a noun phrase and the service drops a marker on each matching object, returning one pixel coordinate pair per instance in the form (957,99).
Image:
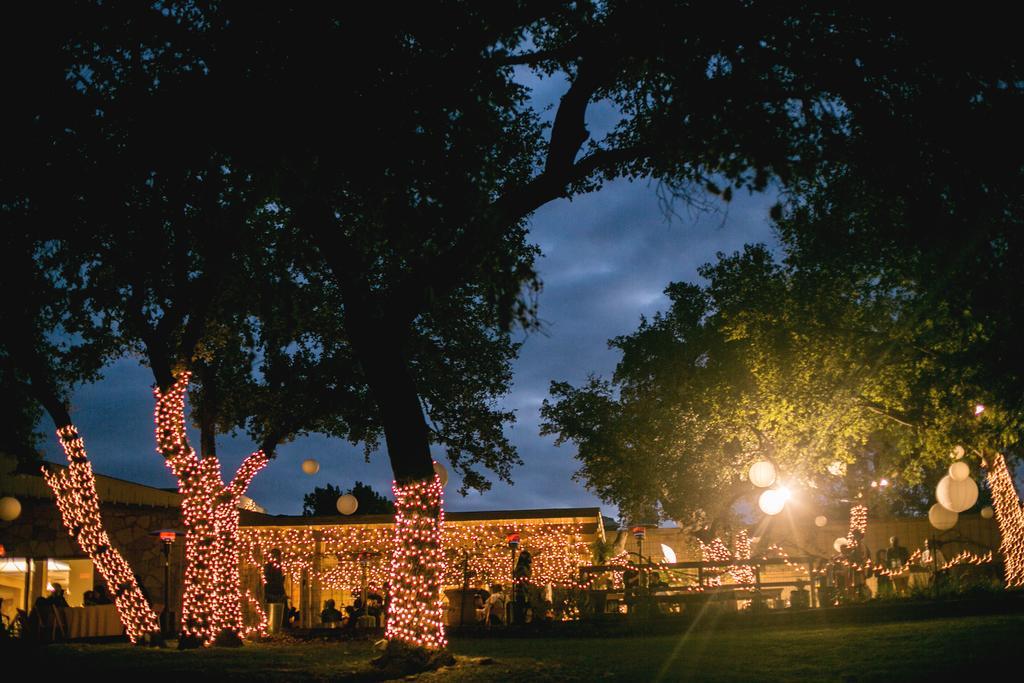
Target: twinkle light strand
(79,505)
(260,627)
(212,600)
(558,551)
(417,566)
(1010,517)
(858,524)
(743,573)
(716,551)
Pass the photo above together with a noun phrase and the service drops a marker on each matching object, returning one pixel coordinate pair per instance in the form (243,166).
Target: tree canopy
(323,501)
(826,375)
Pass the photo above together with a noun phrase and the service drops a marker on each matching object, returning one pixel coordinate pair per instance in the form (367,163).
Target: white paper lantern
(987,512)
(762,474)
(10,508)
(941,518)
(772,501)
(668,554)
(347,504)
(441,471)
(310,466)
(958,452)
(840,543)
(959,470)
(956,495)
(820,520)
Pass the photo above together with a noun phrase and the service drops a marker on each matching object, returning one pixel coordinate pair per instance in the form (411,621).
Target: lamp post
(167,537)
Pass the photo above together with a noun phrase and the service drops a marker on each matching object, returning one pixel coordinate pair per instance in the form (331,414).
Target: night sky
(606,259)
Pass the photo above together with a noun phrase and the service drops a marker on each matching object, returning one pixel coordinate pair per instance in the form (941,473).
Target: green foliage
(824,373)
(323,501)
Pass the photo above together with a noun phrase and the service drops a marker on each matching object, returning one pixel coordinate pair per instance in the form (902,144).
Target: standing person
(858,554)
(933,560)
(273,590)
(896,558)
(496,606)
(522,573)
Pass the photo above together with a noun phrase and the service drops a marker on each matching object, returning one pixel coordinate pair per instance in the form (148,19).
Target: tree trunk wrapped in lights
(1010,517)
(858,524)
(415,607)
(211,604)
(79,505)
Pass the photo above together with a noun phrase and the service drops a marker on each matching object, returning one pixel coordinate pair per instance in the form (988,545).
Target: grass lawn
(933,650)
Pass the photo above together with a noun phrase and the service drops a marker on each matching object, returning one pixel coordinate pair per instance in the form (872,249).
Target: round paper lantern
(840,543)
(762,474)
(310,466)
(959,470)
(987,512)
(10,508)
(820,520)
(942,518)
(958,452)
(956,495)
(441,471)
(772,501)
(347,504)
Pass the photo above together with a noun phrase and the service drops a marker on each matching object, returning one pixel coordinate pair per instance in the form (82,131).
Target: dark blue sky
(607,258)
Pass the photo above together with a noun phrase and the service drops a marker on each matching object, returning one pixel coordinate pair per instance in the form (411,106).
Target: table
(93,621)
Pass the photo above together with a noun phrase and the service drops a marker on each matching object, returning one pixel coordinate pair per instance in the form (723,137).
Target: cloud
(607,258)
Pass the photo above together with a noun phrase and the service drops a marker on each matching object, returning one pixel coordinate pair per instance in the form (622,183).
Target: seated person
(479,607)
(330,616)
(496,605)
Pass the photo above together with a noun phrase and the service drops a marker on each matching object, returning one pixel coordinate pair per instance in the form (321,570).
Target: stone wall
(39,533)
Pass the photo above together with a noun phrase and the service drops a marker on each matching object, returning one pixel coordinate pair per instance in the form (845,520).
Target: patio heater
(167,537)
(513,544)
(640,533)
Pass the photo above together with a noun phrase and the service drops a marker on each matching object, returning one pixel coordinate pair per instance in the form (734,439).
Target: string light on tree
(79,505)
(211,603)
(1010,517)
(858,524)
(417,566)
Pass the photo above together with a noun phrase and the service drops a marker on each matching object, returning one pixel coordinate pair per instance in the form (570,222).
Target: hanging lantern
(958,452)
(959,470)
(987,512)
(956,495)
(772,501)
(840,543)
(820,521)
(668,554)
(442,472)
(10,508)
(347,504)
(762,474)
(942,518)
(310,466)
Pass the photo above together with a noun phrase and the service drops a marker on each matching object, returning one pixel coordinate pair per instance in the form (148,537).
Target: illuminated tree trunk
(1010,517)
(79,505)
(211,604)
(414,609)
(417,564)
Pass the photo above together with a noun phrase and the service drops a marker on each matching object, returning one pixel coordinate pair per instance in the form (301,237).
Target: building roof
(588,518)
(109,489)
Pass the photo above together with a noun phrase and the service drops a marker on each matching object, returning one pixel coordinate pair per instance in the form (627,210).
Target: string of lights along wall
(478,549)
